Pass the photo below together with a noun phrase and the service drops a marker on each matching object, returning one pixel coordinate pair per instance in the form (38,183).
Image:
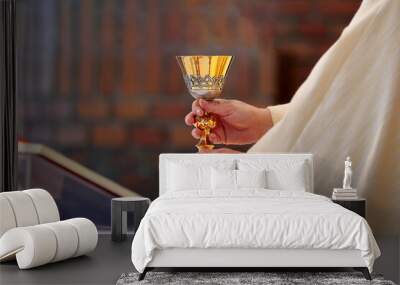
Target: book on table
(344,194)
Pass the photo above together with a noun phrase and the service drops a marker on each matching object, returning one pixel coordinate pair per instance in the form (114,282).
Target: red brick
(148,136)
(40,134)
(126,109)
(72,135)
(267,31)
(135,182)
(181,137)
(173,25)
(152,70)
(58,110)
(93,109)
(171,109)
(196,28)
(131,75)
(224,33)
(335,29)
(339,7)
(87,57)
(293,7)
(109,136)
(246,33)
(312,29)
(152,65)
(298,48)
(301,74)
(173,83)
(239,81)
(267,70)
(107,43)
(64,63)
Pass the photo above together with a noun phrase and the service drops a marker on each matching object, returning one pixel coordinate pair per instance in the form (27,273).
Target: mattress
(251,219)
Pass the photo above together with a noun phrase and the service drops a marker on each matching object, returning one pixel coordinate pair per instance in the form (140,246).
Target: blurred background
(98,81)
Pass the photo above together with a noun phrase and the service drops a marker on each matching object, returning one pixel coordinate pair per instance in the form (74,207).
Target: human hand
(237,122)
(219,150)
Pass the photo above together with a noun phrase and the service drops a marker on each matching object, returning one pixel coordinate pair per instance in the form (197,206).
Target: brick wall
(98,79)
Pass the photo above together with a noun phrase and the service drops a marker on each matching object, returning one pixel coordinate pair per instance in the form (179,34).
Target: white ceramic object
(23,208)
(348,173)
(41,244)
(7,218)
(31,231)
(45,205)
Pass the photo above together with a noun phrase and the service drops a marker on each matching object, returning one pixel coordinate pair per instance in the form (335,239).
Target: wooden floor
(103,266)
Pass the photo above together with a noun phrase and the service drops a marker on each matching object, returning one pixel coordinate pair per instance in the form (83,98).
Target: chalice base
(203,146)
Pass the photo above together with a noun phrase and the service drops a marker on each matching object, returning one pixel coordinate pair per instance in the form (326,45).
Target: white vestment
(350,106)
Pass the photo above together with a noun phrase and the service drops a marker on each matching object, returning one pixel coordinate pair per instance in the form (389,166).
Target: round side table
(119,209)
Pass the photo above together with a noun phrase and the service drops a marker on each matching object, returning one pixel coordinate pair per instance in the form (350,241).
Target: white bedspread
(250,219)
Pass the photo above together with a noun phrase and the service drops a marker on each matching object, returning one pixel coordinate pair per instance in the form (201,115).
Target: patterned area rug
(230,278)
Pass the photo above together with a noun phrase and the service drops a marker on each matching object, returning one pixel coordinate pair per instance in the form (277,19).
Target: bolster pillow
(40,244)
(26,208)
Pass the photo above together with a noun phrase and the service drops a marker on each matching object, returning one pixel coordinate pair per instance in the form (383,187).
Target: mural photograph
(179,142)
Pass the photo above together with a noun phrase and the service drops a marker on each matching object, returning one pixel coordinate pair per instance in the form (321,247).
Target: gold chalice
(204,76)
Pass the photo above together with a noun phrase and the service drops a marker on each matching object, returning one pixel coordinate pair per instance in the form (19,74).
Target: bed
(247,211)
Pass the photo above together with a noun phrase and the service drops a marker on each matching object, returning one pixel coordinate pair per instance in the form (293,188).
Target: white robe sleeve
(350,106)
(278,112)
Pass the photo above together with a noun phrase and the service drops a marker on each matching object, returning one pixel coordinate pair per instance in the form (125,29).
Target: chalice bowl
(204,76)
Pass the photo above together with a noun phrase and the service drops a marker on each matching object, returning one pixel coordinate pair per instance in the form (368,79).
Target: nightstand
(358,206)
(119,208)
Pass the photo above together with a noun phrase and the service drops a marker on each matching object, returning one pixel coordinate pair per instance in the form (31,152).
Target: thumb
(216,106)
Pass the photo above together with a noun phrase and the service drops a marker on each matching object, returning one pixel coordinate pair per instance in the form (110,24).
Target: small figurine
(347,174)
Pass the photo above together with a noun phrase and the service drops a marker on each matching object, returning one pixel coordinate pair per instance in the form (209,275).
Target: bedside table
(358,206)
(119,208)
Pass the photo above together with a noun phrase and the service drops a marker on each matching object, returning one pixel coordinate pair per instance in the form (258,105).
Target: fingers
(196,133)
(214,138)
(219,150)
(196,109)
(190,119)
(199,107)
(216,106)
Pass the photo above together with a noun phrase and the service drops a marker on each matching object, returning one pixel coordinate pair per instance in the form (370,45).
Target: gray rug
(231,278)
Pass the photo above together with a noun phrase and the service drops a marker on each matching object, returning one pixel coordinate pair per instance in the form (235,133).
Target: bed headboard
(210,158)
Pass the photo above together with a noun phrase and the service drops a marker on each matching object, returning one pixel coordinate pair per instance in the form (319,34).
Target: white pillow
(193,175)
(227,179)
(251,178)
(223,179)
(282,174)
(292,179)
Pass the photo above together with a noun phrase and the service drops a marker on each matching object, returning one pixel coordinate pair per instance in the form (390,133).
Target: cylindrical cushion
(41,244)
(7,218)
(33,246)
(45,205)
(23,208)
(67,240)
(87,234)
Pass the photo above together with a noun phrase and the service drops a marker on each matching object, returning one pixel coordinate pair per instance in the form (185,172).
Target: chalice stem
(205,123)
(204,143)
